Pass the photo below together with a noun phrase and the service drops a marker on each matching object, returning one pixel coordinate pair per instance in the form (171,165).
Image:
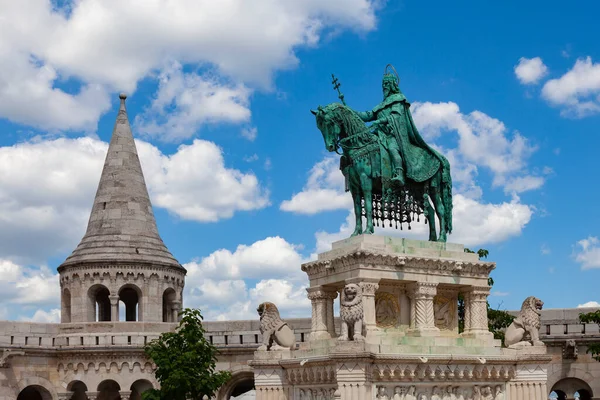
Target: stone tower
(121,257)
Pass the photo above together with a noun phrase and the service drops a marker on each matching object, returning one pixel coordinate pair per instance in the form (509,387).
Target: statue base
(400,296)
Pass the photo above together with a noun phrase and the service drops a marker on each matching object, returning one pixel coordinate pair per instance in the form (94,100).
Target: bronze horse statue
(367,167)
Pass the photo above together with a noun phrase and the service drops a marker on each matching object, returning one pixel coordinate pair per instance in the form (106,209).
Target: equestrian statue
(390,171)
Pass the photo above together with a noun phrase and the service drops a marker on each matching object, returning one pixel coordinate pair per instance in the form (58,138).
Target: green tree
(186,362)
(592,318)
(498,320)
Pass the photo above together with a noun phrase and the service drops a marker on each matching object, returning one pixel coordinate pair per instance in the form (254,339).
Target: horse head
(329,124)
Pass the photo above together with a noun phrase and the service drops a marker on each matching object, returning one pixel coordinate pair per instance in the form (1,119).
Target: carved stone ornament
(444,309)
(351,312)
(439,392)
(524,330)
(273,329)
(387,309)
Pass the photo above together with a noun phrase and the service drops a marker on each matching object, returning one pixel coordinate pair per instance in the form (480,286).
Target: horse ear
(314,112)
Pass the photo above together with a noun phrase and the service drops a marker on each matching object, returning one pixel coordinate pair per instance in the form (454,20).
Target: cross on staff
(336,85)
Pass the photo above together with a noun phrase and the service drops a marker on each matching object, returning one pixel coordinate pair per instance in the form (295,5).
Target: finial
(122,96)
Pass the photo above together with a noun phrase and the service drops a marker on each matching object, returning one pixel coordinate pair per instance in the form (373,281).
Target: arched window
(168,300)
(78,388)
(65,312)
(138,387)
(131,296)
(99,303)
(34,392)
(572,388)
(109,390)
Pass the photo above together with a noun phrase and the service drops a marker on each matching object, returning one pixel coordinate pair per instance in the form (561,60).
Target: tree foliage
(498,320)
(186,362)
(592,318)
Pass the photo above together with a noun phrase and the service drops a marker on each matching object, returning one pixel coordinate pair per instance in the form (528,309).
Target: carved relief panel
(445,305)
(387,310)
(440,392)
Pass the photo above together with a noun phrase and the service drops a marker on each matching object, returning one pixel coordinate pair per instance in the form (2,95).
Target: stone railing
(556,325)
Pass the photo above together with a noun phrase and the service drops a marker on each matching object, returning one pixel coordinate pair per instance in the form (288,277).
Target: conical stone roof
(122,228)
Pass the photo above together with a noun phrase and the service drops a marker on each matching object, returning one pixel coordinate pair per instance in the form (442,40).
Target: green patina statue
(390,171)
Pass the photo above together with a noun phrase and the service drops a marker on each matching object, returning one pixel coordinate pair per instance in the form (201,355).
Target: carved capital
(114,299)
(369,288)
(424,290)
(479,293)
(125,394)
(318,293)
(65,395)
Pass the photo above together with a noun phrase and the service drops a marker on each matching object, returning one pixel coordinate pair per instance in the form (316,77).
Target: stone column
(477,312)
(423,316)
(125,394)
(330,298)
(92,395)
(114,305)
(319,299)
(175,309)
(369,287)
(467,303)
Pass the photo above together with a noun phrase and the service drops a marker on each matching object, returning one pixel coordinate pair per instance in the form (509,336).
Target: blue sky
(243,189)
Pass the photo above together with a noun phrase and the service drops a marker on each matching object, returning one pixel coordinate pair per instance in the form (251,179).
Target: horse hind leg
(439,210)
(357,214)
(430,215)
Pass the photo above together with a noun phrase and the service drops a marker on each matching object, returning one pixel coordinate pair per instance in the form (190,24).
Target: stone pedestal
(409,344)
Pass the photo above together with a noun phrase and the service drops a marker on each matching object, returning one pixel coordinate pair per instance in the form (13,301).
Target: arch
(131,296)
(241,382)
(109,390)
(567,387)
(65,309)
(40,384)
(78,388)
(34,392)
(99,308)
(138,387)
(169,297)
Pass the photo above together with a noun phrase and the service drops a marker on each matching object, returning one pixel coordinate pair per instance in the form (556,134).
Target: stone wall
(57,354)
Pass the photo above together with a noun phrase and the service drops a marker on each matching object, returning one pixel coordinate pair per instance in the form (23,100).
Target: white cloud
(324,190)
(497,293)
(545,250)
(27,286)
(47,189)
(195,184)
(587,252)
(52,316)
(216,283)
(483,141)
(273,257)
(250,133)
(589,304)
(577,91)
(530,70)
(46,192)
(185,101)
(111,45)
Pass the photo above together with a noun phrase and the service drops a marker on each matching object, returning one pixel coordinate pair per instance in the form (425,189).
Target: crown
(390,74)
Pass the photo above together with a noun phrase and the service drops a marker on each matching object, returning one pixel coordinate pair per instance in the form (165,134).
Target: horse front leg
(367,189)
(357,212)
(430,215)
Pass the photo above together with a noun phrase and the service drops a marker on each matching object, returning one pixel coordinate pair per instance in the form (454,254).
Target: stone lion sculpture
(351,312)
(273,329)
(524,330)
